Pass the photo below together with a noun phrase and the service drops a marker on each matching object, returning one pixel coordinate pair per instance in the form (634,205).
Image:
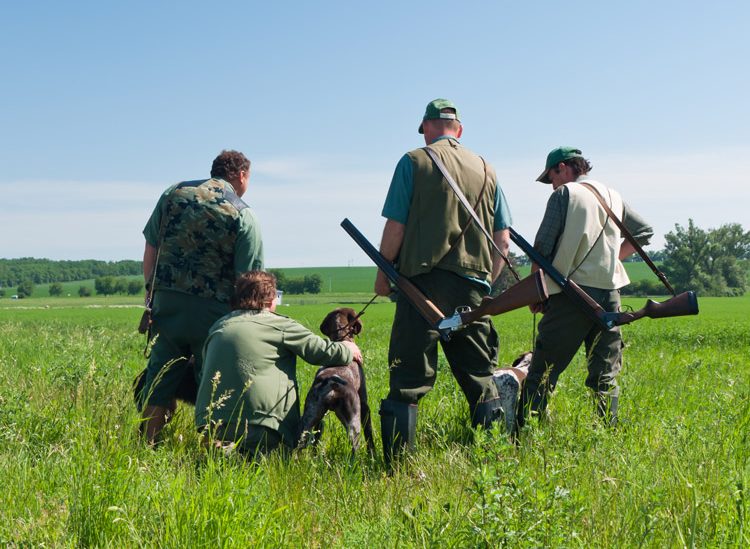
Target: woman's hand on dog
(356,353)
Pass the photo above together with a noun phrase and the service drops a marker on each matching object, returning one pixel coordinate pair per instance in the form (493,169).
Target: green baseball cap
(560,154)
(432,112)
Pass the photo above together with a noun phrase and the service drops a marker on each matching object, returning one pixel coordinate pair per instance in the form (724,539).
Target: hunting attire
(450,261)
(582,243)
(248,391)
(205,236)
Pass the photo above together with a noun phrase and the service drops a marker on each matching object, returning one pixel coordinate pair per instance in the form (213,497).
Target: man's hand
(390,244)
(382,284)
(537,307)
(356,353)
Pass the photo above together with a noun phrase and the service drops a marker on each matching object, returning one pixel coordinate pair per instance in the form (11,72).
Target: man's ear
(460,131)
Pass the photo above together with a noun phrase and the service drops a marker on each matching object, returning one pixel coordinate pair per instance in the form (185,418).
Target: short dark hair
(253,290)
(579,165)
(229,164)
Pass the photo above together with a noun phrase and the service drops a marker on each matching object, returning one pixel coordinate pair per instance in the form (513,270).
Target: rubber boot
(486,413)
(398,428)
(606,407)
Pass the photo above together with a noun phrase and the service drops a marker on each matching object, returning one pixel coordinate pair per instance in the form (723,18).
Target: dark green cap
(432,112)
(560,154)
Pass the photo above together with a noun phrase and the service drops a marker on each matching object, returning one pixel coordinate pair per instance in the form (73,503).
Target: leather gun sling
(629,237)
(462,198)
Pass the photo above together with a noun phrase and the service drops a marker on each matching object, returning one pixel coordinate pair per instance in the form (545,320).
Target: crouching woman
(248,394)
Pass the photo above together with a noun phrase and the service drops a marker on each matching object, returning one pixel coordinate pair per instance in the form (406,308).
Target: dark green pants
(181,322)
(471,352)
(562,330)
(254,441)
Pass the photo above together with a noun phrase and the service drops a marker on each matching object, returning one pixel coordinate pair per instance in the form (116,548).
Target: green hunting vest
(200,224)
(433,236)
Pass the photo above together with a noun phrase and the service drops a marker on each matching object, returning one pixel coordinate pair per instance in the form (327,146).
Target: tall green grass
(674,474)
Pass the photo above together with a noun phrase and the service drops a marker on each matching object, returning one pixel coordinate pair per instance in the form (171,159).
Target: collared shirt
(398,200)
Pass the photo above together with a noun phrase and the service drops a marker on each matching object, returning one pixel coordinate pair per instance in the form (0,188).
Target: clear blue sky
(105,104)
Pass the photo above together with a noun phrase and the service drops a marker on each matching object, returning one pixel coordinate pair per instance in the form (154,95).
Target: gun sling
(629,237)
(470,210)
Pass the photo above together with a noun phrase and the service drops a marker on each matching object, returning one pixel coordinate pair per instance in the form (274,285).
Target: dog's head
(341,324)
(523,362)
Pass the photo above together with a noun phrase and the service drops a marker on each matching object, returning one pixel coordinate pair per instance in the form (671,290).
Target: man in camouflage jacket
(199,238)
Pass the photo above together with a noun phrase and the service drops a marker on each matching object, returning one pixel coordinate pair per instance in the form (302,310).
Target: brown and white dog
(509,382)
(338,388)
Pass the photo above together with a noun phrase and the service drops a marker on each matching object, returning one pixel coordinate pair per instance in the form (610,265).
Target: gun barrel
(419,301)
(537,258)
(383,264)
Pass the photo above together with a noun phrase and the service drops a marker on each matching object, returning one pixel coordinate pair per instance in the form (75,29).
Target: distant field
(336,280)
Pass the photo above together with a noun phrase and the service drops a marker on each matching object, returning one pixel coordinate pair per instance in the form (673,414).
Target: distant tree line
(712,262)
(44,271)
(309,284)
(110,285)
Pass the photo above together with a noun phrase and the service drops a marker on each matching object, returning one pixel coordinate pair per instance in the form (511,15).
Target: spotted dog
(509,382)
(338,388)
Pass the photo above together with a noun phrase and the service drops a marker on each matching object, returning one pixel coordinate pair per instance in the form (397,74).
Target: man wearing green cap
(587,247)
(431,238)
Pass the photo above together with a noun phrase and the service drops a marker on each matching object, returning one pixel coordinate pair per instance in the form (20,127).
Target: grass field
(674,474)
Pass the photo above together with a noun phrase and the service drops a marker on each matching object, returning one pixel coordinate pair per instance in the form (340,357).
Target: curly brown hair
(229,164)
(253,290)
(579,165)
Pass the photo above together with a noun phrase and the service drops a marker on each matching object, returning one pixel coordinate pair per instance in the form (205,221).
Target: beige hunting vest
(589,246)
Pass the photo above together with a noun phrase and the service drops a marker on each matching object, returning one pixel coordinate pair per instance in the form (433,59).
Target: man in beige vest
(430,236)
(586,246)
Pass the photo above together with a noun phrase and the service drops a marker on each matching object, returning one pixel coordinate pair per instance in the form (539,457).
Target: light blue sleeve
(503,219)
(398,200)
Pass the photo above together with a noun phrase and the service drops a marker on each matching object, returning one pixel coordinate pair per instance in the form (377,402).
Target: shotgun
(432,315)
(682,304)
(531,289)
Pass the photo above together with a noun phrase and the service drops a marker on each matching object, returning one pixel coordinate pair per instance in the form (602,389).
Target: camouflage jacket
(206,235)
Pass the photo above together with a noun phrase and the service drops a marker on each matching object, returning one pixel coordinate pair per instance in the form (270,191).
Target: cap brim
(543,178)
(421,129)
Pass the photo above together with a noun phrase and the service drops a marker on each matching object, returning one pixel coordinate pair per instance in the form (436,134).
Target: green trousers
(562,330)
(471,352)
(181,322)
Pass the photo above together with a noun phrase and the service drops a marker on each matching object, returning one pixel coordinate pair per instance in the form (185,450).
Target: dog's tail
(335,379)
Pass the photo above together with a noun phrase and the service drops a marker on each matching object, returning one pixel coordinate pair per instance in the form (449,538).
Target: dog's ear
(328,326)
(355,322)
(524,359)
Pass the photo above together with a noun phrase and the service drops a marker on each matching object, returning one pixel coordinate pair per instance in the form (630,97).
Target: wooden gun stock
(530,290)
(682,304)
(424,306)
